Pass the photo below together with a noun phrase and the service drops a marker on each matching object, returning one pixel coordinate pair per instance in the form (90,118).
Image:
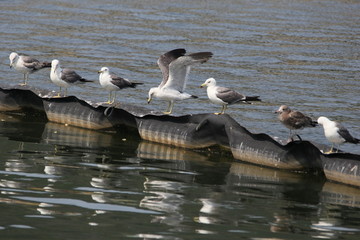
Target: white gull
(113,83)
(26,64)
(64,77)
(336,133)
(225,96)
(175,67)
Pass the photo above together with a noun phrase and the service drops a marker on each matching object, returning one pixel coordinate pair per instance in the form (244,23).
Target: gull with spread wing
(175,67)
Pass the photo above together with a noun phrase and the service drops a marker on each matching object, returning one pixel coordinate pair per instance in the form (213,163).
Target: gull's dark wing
(229,96)
(344,133)
(300,120)
(121,82)
(179,69)
(70,76)
(33,63)
(165,60)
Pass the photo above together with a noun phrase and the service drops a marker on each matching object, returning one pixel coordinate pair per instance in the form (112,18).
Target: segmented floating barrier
(188,131)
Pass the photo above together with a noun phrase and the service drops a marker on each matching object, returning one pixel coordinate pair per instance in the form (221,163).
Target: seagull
(225,96)
(175,67)
(64,77)
(336,133)
(26,65)
(112,83)
(294,120)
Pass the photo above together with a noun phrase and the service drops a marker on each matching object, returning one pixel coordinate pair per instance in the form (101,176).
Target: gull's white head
(104,70)
(323,120)
(152,92)
(13,56)
(210,82)
(55,64)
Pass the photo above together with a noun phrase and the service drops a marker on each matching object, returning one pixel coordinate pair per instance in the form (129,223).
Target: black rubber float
(188,131)
(263,150)
(342,167)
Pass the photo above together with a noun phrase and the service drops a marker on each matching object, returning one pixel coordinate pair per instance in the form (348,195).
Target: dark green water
(60,182)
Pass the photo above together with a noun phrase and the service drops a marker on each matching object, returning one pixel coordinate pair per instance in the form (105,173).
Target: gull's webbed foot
(57,96)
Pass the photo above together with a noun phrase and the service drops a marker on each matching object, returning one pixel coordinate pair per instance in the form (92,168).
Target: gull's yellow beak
(100,71)
(203,85)
(149,100)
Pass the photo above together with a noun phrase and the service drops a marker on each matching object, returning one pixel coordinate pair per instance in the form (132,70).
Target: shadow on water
(55,171)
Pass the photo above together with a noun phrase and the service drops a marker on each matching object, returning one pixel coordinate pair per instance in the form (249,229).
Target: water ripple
(30,175)
(87,205)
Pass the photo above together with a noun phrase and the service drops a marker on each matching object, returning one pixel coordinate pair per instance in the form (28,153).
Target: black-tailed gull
(294,120)
(26,64)
(175,67)
(225,96)
(113,83)
(336,133)
(64,77)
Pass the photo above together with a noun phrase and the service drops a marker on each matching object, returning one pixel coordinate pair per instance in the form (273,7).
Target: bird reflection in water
(164,196)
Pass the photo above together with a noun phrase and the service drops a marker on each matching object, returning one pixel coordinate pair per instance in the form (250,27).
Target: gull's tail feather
(45,65)
(252,98)
(83,80)
(354,140)
(134,84)
(193,96)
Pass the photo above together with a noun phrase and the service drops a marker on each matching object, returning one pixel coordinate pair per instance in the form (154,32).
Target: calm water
(61,182)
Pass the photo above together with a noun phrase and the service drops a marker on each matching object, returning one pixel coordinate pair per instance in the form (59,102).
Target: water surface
(61,182)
